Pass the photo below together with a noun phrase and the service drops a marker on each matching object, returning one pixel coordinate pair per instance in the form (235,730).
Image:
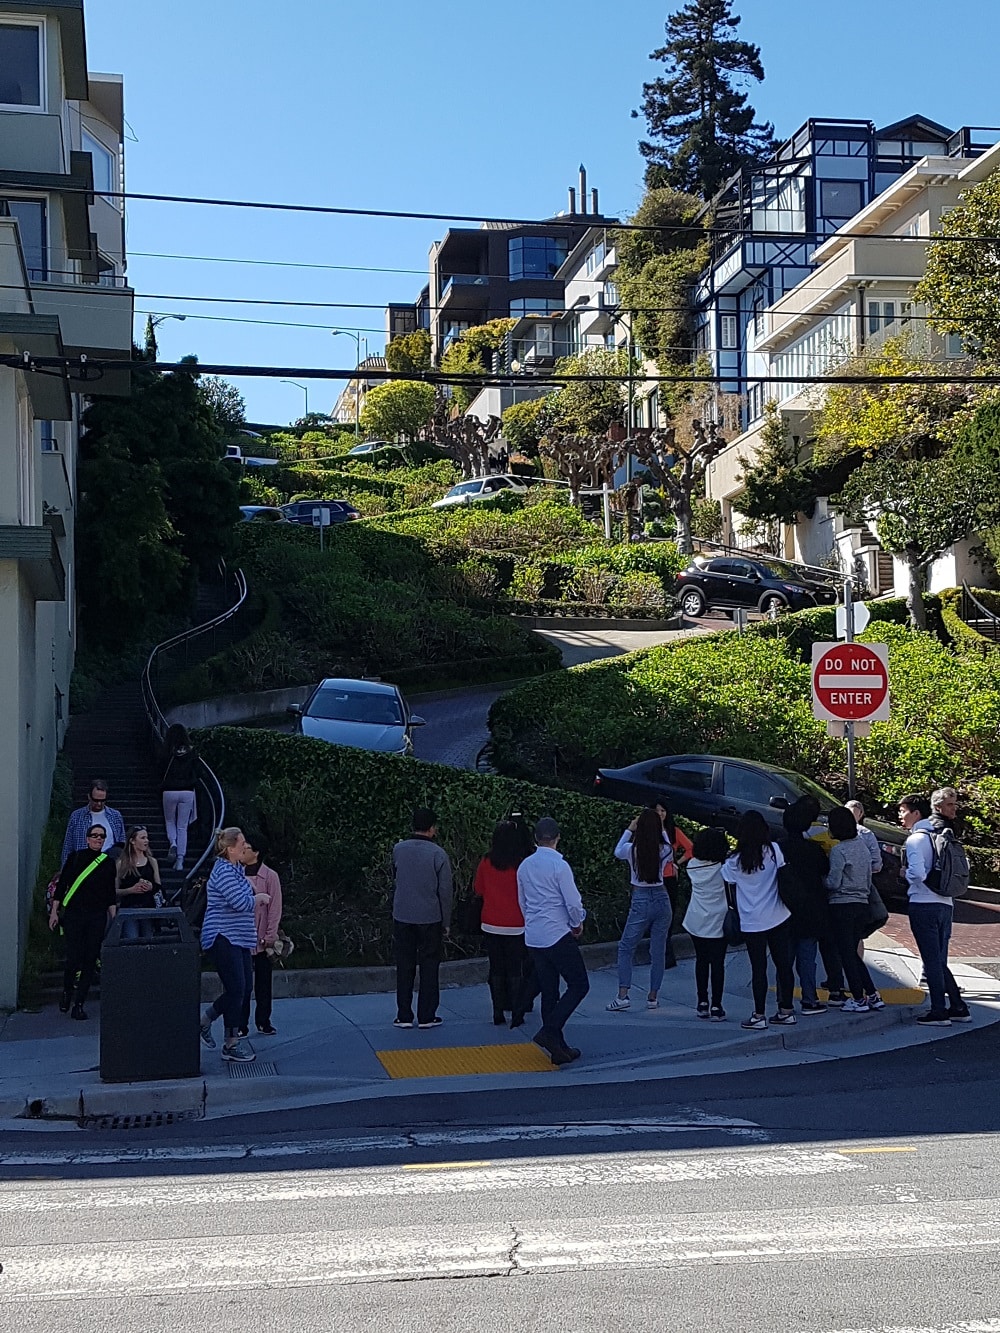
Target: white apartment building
(858,294)
(62,292)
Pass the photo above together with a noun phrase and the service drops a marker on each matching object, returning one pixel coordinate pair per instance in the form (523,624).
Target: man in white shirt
(930,916)
(553,923)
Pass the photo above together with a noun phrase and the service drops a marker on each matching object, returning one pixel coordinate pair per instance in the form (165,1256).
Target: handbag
(878,913)
(732,931)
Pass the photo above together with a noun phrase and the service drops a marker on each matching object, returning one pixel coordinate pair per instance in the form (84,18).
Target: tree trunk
(915,590)
(682,516)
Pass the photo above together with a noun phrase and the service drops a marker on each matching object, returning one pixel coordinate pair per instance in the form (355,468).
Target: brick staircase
(113,739)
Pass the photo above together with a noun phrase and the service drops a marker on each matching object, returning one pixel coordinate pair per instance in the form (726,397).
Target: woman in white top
(647,850)
(764,918)
(705,916)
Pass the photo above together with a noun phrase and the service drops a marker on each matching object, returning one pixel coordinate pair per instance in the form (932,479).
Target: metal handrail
(830,575)
(986,616)
(208,783)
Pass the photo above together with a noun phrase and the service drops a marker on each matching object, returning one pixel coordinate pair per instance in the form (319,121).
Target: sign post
(850,685)
(321,520)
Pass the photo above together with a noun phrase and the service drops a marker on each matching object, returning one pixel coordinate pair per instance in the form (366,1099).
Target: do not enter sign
(851,681)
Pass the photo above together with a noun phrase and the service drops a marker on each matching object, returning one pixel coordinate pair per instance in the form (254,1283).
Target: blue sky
(439,106)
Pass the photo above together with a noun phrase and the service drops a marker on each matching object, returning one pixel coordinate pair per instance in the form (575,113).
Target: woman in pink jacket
(267,918)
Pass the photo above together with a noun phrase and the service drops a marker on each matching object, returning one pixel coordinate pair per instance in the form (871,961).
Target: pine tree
(701,128)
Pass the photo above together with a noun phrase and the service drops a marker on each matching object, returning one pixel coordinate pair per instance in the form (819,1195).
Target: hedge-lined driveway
(456,720)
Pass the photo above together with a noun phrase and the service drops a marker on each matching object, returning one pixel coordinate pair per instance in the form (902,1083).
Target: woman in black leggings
(704,919)
(764,918)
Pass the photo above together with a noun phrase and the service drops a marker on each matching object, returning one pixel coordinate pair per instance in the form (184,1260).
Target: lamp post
(157,320)
(303,387)
(346,333)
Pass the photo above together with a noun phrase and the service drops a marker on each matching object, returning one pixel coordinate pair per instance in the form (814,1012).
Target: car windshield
(337,705)
(808,788)
(466,488)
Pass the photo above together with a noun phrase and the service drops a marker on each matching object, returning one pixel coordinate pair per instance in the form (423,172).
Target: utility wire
(588,220)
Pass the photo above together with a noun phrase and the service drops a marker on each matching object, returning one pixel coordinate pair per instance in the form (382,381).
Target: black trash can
(150,994)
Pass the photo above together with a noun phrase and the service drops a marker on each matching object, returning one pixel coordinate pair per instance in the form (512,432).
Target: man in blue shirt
(553,923)
(96,811)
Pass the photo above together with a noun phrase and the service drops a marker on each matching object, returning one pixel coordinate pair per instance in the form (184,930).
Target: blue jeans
(931,927)
(805,966)
(235,968)
(650,911)
(561,960)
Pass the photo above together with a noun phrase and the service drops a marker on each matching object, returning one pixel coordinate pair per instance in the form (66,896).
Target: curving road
(456,720)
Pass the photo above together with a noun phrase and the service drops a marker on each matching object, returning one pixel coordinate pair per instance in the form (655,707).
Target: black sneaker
(836,999)
(65,1000)
(782,1020)
(431,1023)
(702,1009)
(573,1052)
(559,1055)
(79,1013)
(717,1014)
(935,1018)
(266,1030)
(813,1007)
(402,1022)
(243,1032)
(962,1015)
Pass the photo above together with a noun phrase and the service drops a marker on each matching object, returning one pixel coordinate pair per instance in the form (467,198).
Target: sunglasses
(95,835)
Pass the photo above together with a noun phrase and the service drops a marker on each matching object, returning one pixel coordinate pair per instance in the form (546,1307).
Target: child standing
(704,919)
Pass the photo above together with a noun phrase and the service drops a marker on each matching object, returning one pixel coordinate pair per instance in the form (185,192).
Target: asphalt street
(855,1195)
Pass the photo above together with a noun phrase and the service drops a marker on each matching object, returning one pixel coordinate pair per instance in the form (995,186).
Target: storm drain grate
(154,1120)
(259,1069)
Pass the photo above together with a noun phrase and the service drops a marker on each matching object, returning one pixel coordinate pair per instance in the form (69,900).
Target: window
(881,314)
(727,331)
(47,437)
(535,305)
(748,784)
(840,199)
(953,345)
(21,80)
(695,775)
(31,222)
(104,165)
(596,258)
(611,297)
(535,256)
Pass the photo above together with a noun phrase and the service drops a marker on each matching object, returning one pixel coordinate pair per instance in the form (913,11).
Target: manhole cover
(259,1069)
(155,1120)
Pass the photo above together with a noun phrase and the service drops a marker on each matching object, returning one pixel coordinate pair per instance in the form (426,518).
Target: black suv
(757,582)
(301,511)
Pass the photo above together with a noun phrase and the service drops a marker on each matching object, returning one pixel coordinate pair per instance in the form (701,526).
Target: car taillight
(597,780)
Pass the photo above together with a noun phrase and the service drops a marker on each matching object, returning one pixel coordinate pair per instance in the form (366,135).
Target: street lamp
(303,387)
(346,333)
(157,320)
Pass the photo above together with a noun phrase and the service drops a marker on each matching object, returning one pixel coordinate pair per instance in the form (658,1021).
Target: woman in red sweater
(513,985)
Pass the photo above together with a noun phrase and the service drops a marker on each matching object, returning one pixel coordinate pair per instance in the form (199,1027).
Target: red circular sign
(850,681)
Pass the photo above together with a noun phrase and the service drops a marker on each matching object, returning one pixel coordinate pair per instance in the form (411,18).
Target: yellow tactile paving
(442,1061)
(891,994)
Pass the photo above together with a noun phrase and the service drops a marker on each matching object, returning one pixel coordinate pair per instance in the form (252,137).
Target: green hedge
(750,697)
(330,815)
(963,636)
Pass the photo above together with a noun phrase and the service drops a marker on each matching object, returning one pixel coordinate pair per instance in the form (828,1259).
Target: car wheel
(693,603)
(772,602)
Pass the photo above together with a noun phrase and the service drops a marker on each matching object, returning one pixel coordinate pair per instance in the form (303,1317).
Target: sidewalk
(345,1048)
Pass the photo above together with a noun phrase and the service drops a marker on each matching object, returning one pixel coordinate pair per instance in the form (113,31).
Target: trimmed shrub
(330,816)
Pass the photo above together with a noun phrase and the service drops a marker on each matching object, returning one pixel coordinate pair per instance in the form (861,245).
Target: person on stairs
(83,904)
(177,792)
(96,811)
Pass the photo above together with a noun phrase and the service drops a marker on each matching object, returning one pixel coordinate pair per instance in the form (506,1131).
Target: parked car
(368,714)
(369,447)
(301,511)
(481,488)
(714,789)
(262,514)
(759,583)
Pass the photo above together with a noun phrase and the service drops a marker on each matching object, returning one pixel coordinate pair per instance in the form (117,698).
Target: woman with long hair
(512,981)
(229,934)
(683,851)
(177,791)
(764,918)
(646,848)
(849,885)
(138,875)
(704,919)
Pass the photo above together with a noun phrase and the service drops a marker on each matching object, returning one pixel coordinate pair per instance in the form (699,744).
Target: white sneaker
(618,1004)
(179,863)
(853,1006)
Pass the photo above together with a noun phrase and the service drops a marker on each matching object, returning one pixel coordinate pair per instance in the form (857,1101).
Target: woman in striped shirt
(229,934)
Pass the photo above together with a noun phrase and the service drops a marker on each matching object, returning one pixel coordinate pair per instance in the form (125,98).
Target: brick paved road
(975,933)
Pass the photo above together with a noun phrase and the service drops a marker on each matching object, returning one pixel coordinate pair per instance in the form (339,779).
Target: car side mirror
(779,803)
(417,721)
(295,710)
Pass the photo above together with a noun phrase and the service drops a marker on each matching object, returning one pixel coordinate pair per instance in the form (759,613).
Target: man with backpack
(937,871)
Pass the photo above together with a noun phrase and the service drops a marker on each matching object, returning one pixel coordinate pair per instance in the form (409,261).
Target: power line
(84,364)
(267,323)
(586,220)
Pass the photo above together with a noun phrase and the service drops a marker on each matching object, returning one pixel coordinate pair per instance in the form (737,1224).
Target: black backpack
(192,899)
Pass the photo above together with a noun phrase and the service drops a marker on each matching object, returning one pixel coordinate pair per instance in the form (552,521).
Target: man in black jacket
(800,883)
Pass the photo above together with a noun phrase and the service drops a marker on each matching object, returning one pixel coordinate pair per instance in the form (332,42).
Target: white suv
(482,488)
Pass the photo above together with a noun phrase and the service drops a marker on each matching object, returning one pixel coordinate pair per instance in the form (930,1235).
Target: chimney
(583,188)
(572,201)
(593,202)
